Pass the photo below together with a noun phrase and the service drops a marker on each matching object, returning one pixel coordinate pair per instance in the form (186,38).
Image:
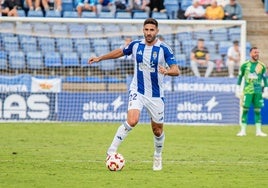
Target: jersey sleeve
(241,74)
(127,50)
(169,56)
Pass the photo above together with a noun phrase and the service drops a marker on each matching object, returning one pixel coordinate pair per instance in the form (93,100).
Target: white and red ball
(115,162)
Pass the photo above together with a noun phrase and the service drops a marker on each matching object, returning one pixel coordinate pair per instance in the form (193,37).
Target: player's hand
(238,92)
(265,93)
(93,60)
(162,70)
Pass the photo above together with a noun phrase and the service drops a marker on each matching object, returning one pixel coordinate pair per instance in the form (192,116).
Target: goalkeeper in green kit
(255,89)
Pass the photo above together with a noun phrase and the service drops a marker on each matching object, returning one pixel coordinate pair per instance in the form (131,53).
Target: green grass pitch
(73,154)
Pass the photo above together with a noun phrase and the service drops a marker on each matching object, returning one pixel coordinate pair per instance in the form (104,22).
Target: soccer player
(146,90)
(254,73)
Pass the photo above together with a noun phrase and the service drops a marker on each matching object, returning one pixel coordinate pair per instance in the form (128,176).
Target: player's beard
(150,39)
(255,58)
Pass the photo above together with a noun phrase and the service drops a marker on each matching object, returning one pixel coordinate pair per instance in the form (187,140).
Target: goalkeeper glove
(265,93)
(238,91)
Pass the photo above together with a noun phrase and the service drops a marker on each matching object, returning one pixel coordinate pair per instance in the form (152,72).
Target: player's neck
(151,43)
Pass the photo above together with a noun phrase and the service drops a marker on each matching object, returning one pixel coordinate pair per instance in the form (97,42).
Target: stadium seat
(41,28)
(107,66)
(53,14)
(82,45)
(70,14)
(123,15)
(67,5)
(93,79)
(11,43)
(33,13)
(187,46)
(52,59)
(181,60)
(140,15)
(220,34)
(28,44)
(223,47)
(159,15)
(46,44)
(182,36)
(202,34)
(16,60)
(3,60)
(211,46)
(87,14)
(106,15)
(94,29)
(24,27)
(21,13)
(64,44)
(6,28)
(234,34)
(172,7)
(34,60)
(77,30)
(73,79)
(59,30)
(70,59)
(185,4)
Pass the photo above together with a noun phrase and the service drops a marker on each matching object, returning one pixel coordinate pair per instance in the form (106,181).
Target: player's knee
(157,131)
(132,122)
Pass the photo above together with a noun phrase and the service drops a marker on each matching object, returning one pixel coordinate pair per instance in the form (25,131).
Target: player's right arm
(111,55)
(241,74)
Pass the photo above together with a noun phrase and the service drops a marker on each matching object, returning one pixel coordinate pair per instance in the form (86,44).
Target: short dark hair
(235,42)
(253,48)
(201,39)
(150,21)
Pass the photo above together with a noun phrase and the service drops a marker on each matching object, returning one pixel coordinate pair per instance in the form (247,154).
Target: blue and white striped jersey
(147,80)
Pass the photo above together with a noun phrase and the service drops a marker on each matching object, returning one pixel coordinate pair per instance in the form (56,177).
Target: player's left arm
(265,83)
(173,70)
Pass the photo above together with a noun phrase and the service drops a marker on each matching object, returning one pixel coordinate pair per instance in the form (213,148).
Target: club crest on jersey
(154,55)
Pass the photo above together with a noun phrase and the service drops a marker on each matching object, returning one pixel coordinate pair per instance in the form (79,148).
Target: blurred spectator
(205,3)
(139,5)
(200,58)
(157,6)
(10,7)
(223,2)
(195,11)
(52,5)
(33,4)
(214,12)
(121,4)
(233,58)
(85,5)
(233,11)
(106,5)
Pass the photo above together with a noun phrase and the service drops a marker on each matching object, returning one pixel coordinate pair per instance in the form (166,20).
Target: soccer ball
(115,162)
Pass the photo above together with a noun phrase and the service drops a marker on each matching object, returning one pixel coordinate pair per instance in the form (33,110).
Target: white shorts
(154,105)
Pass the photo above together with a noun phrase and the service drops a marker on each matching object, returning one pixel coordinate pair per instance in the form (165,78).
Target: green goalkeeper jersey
(254,74)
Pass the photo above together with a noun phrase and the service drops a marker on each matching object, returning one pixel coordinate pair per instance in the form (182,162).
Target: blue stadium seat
(106,15)
(67,5)
(172,7)
(52,60)
(41,28)
(70,59)
(140,15)
(70,14)
(123,15)
(93,79)
(77,30)
(87,14)
(16,60)
(159,15)
(182,36)
(28,44)
(234,34)
(187,46)
(46,44)
(24,28)
(7,28)
(53,14)
(59,30)
(202,34)
(211,45)
(220,34)
(82,45)
(64,44)
(223,47)
(185,4)
(11,43)
(107,66)
(34,60)
(33,13)
(181,60)
(21,13)
(3,60)
(74,79)
(94,29)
